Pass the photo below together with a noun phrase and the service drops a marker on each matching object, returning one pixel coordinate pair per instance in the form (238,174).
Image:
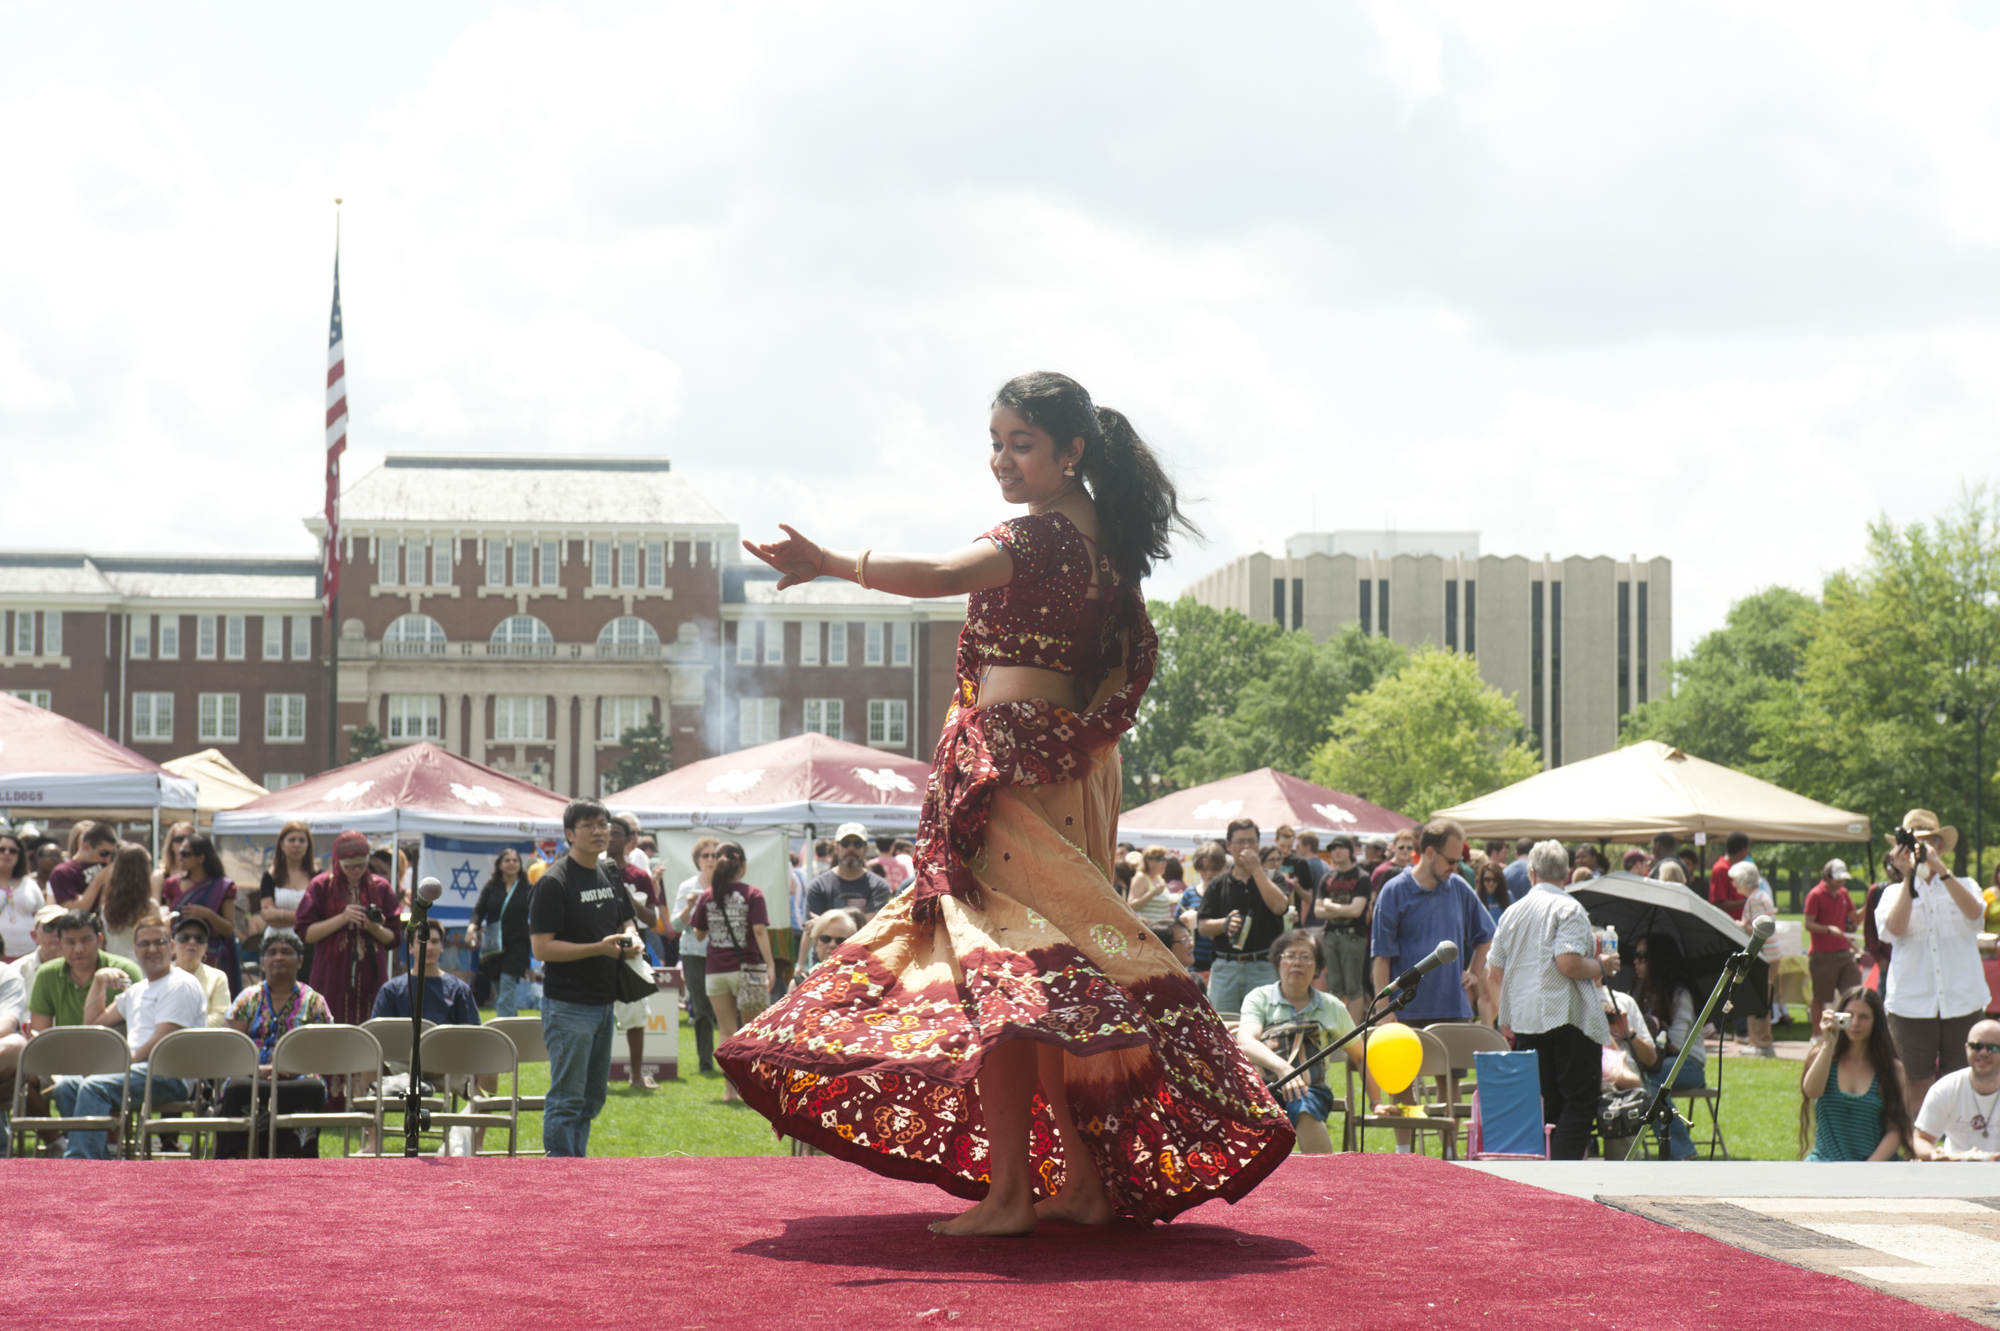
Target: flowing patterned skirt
(873,1058)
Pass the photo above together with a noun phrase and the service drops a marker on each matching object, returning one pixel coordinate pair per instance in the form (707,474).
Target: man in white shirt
(1960,1118)
(1542,962)
(13,1019)
(48,945)
(168,999)
(1936,988)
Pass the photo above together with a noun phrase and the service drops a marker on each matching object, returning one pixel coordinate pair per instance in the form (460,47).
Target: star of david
(464,879)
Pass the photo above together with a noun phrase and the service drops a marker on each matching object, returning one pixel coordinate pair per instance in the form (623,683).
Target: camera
(1906,839)
(1843,1021)
(375,915)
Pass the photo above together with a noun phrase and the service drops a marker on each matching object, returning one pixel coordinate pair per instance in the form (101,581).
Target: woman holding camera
(352,918)
(1855,1103)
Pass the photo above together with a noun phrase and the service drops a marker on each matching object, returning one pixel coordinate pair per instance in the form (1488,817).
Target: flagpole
(336,445)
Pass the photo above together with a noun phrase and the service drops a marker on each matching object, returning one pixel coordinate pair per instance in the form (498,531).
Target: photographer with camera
(1936,987)
(1855,1099)
(351,917)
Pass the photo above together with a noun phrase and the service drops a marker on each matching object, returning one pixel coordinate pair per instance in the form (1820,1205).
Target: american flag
(336,440)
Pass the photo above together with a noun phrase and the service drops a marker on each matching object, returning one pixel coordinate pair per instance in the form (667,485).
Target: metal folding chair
(1462,1040)
(473,1051)
(526,1035)
(1436,1067)
(214,1054)
(70,1051)
(327,1051)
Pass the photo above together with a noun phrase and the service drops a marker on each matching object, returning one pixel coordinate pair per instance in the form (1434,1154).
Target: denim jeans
(1229,980)
(579,1039)
(1680,1144)
(97,1097)
(694,974)
(511,993)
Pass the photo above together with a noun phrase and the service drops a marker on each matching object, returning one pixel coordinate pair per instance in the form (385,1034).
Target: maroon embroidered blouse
(1044,616)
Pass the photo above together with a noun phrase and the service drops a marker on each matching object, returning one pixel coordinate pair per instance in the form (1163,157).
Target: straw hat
(1925,824)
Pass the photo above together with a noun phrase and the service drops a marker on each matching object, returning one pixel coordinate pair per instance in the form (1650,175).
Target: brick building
(524,611)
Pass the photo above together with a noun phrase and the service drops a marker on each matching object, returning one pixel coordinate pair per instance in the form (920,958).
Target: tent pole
(156,830)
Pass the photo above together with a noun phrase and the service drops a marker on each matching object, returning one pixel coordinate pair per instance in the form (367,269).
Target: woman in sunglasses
(1855,1100)
(203,891)
(20,898)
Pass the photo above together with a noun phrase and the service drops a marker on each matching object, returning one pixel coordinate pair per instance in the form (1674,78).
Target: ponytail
(1138,508)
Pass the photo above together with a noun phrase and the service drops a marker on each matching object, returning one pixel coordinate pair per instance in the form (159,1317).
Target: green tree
(365,741)
(1284,713)
(1206,658)
(1429,736)
(649,752)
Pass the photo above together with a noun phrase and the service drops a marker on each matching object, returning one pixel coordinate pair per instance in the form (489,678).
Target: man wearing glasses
(850,884)
(166,1000)
(1960,1117)
(582,927)
(70,883)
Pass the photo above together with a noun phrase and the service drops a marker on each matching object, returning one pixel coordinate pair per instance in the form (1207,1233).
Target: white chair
(328,1051)
(213,1054)
(473,1051)
(69,1051)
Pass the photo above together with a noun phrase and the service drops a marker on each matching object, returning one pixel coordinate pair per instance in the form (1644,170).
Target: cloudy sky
(1715,282)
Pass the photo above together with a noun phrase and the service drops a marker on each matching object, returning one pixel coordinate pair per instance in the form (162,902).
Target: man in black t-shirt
(1342,906)
(849,884)
(1242,910)
(582,927)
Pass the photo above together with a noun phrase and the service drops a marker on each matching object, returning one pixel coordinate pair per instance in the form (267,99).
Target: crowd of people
(1291,938)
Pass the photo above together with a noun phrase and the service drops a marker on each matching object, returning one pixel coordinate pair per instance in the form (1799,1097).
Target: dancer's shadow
(1055,1253)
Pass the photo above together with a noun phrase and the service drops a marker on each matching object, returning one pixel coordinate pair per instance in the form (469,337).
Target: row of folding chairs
(216,1055)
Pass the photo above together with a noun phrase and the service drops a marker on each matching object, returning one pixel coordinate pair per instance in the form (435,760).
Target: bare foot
(990,1219)
(646,1082)
(1079,1205)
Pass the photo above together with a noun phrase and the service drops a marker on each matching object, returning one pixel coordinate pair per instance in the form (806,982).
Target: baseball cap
(846,830)
(1635,856)
(50,913)
(1836,871)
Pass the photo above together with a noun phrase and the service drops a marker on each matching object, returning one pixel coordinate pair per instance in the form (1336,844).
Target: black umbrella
(1639,907)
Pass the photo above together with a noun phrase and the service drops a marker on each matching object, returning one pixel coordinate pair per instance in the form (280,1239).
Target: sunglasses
(853,844)
(150,943)
(190,938)
(1638,956)
(828,940)
(1983,1048)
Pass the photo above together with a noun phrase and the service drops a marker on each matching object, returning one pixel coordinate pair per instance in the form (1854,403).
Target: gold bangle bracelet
(861,569)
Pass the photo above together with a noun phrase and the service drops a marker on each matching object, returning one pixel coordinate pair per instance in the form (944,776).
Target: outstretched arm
(970,568)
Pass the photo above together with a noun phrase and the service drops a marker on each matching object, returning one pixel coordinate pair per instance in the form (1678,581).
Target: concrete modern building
(1576,642)
(524,611)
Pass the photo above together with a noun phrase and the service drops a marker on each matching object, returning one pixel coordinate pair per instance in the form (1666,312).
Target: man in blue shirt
(448,1000)
(1518,881)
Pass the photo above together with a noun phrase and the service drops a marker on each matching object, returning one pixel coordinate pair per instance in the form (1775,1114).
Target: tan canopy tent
(1633,792)
(219,783)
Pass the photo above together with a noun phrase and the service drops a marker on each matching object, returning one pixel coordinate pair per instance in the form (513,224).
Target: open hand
(798,559)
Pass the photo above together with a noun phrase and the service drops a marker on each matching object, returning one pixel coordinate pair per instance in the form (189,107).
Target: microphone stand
(1661,1112)
(415,1117)
(1397,998)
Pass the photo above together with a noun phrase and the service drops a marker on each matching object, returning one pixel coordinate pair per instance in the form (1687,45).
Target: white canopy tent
(53,767)
(1632,793)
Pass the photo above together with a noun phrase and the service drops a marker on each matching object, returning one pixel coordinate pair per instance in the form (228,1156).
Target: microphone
(428,892)
(1761,930)
(1444,952)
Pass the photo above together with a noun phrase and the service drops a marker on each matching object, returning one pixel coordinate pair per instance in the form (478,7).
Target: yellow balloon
(1394,1056)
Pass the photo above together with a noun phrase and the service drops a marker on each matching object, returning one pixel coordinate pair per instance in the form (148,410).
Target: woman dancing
(1105,1085)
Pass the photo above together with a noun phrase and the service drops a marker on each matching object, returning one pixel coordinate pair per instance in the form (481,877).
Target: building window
(1555,674)
(217,718)
(1624,648)
(1298,603)
(234,633)
(551,554)
(615,716)
(1382,606)
(415,559)
(284,718)
(24,633)
(496,562)
(600,563)
(302,637)
(899,643)
(1471,618)
(746,643)
(628,635)
(836,644)
(656,564)
(628,564)
(142,636)
(774,643)
(153,716)
(873,648)
(414,716)
(1536,713)
(170,637)
(520,716)
(888,722)
(387,561)
(274,637)
(823,716)
(524,563)
(1451,614)
(51,633)
(757,721)
(1642,641)
(521,635)
(809,632)
(204,637)
(413,635)
(33,697)
(441,553)
(1278,602)
(279,780)
(1367,603)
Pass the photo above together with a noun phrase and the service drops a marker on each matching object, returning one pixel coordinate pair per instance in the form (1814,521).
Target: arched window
(522,635)
(414,635)
(628,635)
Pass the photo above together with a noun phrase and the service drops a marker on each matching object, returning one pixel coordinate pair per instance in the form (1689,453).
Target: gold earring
(1070,470)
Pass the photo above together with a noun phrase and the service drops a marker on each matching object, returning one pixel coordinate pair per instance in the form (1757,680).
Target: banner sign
(463,865)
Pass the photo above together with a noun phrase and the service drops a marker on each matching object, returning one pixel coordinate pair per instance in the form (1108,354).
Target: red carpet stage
(1337,1242)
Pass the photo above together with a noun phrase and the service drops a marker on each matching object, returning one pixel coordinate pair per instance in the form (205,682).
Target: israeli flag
(463,865)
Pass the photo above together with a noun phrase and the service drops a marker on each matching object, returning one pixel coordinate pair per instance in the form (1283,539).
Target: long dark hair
(281,867)
(1663,979)
(211,863)
(21,855)
(718,886)
(1881,1056)
(520,874)
(1138,509)
(1492,868)
(128,895)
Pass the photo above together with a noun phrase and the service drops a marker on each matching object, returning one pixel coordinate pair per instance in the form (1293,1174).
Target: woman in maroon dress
(350,955)
(1105,1085)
